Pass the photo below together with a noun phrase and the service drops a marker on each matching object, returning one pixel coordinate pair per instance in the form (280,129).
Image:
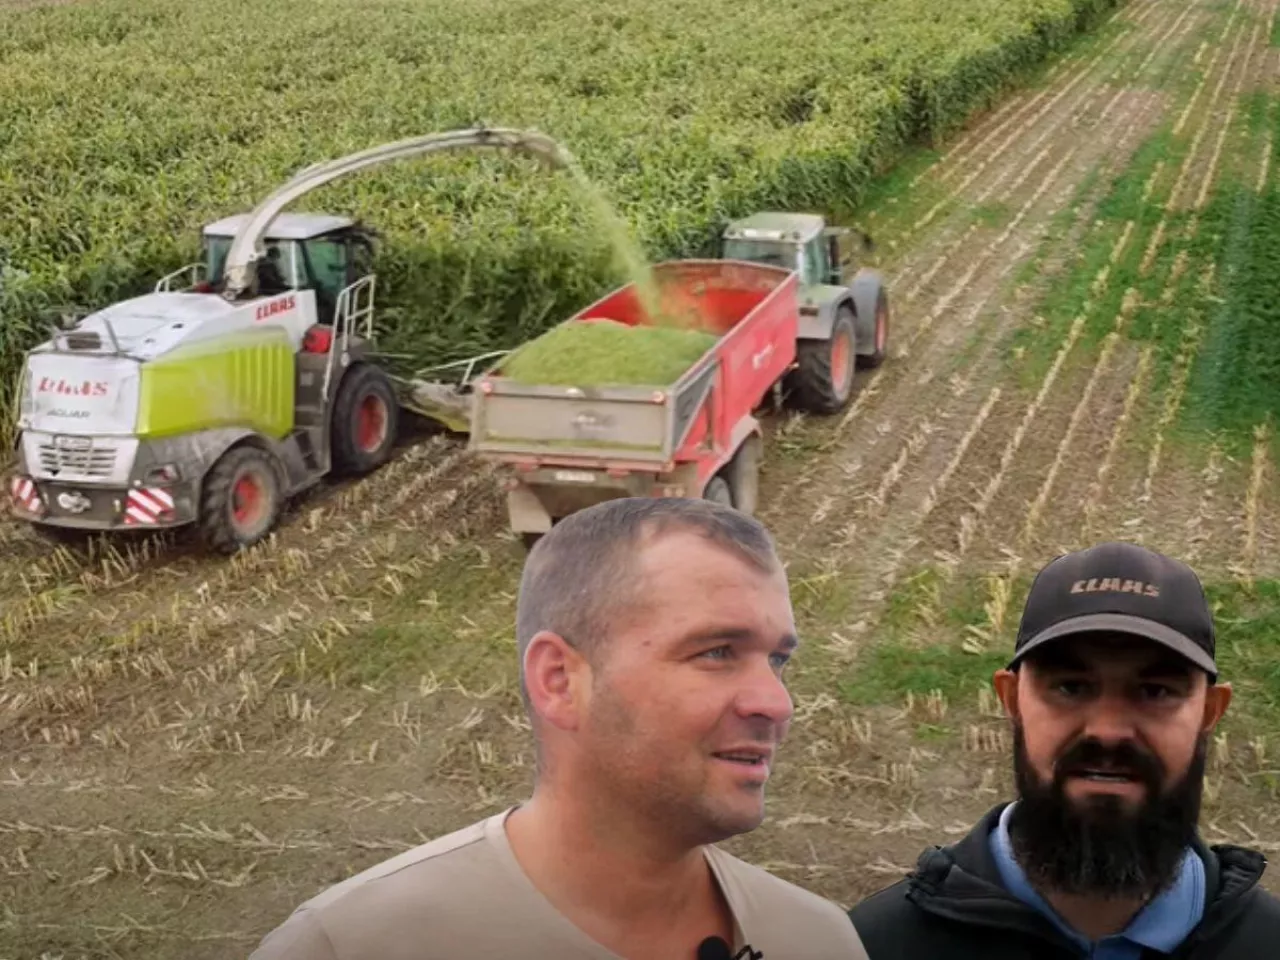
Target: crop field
(1083,347)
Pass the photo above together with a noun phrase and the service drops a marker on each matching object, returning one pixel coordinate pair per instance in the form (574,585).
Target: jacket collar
(961,882)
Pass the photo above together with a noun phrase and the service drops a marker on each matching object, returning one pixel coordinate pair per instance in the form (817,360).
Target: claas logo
(266,310)
(64,388)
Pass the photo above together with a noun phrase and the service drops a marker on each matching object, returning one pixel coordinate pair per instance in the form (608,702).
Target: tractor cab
(795,241)
(304,251)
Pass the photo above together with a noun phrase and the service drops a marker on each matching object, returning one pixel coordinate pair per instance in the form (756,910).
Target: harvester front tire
(240,501)
(366,419)
(823,379)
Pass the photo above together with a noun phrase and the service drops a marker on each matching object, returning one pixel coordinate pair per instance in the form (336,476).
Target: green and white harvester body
(237,383)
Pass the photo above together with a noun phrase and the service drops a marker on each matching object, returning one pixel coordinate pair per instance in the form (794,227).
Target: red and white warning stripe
(147,506)
(25,494)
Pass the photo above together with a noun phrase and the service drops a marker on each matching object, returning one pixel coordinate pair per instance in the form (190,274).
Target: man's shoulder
(788,914)
(395,902)
(437,857)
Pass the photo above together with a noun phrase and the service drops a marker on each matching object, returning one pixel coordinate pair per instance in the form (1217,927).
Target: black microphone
(717,948)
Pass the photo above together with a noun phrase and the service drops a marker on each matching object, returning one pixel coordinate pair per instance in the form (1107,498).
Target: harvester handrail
(246,248)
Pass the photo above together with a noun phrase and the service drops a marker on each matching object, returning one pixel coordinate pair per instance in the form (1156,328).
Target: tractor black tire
(240,500)
(366,421)
(817,385)
(530,540)
(870,361)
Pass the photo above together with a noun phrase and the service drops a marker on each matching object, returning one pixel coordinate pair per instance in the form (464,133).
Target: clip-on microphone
(716,948)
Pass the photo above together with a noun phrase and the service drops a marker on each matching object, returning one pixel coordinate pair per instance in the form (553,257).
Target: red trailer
(572,446)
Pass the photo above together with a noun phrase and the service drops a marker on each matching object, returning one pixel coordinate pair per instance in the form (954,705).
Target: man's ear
(557,677)
(1006,684)
(1216,699)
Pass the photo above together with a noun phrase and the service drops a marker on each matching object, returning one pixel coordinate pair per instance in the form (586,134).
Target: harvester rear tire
(240,500)
(743,474)
(823,380)
(366,419)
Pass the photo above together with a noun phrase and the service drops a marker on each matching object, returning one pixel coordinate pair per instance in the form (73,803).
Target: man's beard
(1101,847)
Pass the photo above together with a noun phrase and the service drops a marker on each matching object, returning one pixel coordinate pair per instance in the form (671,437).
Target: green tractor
(844,308)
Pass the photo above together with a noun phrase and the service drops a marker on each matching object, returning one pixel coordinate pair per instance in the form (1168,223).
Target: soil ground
(194,746)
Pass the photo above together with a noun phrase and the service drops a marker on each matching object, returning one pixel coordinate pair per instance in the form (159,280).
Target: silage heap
(605,352)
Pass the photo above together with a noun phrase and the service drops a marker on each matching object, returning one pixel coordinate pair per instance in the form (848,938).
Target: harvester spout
(246,249)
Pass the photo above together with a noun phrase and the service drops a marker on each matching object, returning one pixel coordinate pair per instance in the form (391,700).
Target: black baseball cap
(1121,588)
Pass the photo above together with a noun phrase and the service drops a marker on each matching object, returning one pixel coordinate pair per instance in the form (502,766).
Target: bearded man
(1112,695)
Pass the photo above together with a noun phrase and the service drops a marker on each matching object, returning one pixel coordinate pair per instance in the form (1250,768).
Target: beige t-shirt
(465,895)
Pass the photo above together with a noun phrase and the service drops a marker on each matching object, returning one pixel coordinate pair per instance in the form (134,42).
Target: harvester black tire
(366,420)
(240,500)
(817,385)
(880,341)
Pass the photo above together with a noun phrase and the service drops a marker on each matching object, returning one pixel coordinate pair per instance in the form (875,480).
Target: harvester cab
(238,382)
(844,307)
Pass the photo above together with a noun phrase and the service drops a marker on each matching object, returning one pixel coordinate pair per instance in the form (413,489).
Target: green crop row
(128,123)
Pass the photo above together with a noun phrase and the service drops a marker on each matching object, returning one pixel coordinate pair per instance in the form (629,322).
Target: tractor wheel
(872,360)
(240,501)
(530,540)
(823,381)
(366,418)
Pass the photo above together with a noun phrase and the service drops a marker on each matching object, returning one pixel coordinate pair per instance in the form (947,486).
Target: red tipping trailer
(573,446)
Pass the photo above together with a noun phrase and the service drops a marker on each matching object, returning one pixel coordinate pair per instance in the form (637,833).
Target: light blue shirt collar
(1161,925)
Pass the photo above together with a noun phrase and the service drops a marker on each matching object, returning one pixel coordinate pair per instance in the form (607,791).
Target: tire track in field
(999,537)
(965,303)
(989,452)
(994,156)
(1157,496)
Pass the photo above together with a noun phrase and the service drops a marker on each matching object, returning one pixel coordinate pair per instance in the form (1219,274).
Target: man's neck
(1091,917)
(615,883)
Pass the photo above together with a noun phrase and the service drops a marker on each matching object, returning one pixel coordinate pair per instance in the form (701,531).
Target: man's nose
(763,694)
(1110,719)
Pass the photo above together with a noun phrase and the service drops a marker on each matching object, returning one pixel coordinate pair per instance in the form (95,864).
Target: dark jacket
(954,905)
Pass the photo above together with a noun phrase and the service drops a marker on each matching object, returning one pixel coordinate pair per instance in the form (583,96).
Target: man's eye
(715,651)
(1156,691)
(1071,688)
(781,659)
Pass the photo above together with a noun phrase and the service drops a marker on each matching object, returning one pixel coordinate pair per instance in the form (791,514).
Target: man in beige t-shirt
(653,635)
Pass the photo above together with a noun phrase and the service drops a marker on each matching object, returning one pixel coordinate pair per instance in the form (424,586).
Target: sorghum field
(1077,208)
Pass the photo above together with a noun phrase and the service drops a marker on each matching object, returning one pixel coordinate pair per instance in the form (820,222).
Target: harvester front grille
(81,457)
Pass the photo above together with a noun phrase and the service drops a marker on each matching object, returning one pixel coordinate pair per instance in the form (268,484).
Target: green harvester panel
(243,379)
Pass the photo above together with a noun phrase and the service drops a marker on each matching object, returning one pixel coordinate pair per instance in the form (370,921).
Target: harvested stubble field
(1083,348)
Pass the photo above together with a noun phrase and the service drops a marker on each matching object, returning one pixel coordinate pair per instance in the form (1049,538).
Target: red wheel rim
(840,362)
(248,500)
(882,327)
(371,423)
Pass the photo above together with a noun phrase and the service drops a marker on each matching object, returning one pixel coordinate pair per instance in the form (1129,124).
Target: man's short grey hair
(582,574)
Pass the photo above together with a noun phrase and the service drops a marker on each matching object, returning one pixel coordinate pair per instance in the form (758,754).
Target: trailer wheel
(366,418)
(881,337)
(743,474)
(717,490)
(823,381)
(240,500)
